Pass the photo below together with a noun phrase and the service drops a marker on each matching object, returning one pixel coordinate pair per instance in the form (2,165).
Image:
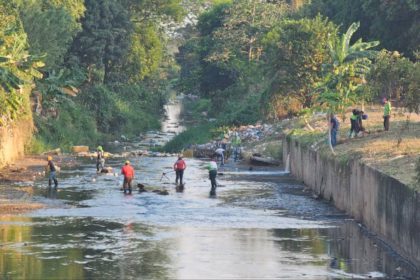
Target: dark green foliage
(222,63)
(104,39)
(394,23)
(213,19)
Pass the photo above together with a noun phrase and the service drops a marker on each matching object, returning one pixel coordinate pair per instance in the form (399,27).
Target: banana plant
(17,69)
(342,78)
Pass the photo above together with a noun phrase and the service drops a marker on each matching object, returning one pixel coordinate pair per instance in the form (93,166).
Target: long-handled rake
(164,175)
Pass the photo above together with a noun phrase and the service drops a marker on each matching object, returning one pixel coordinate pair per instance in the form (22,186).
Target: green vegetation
(305,137)
(258,60)
(394,23)
(101,67)
(196,135)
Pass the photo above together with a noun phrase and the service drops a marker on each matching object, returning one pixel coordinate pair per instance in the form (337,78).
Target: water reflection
(255,228)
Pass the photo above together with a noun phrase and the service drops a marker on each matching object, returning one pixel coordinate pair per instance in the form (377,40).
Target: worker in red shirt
(128,172)
(179,167)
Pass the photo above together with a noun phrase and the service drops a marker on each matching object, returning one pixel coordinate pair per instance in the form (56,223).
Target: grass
(196,135)
(394,152)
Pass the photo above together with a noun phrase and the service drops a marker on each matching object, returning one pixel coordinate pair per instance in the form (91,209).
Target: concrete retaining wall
(13,140)
(386,206)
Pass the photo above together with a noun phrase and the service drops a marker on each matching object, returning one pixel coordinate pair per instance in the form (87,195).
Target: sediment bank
(383,204)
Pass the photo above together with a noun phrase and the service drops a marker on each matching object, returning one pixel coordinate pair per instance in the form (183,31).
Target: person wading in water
(212,167)
(51,168)
(128,172)
(100,159)
(179,168)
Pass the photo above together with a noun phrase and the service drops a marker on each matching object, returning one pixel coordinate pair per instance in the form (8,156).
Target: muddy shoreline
(17,182)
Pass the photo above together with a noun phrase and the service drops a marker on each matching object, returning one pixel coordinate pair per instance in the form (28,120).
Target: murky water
(262,224)
(259,226)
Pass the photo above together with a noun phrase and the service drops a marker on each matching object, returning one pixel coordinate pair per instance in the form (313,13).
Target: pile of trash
(254,132)
(207,150)
(247,133)
(127,154)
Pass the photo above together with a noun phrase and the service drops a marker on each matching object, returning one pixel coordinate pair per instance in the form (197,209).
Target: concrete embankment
(384,205)
(13,140)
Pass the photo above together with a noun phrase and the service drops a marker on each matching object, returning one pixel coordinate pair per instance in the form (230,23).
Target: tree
(145,53)
(412,100)
(394,23)
(17,67)
(243,28)
(346,73)
(296,51)
(143,11)
(104,40)
(389,76)
(50,31)
(198,74)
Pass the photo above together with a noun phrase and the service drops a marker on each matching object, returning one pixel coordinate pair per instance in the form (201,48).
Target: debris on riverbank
(260,143)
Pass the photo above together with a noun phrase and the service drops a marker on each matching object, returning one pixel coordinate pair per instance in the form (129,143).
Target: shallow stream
(262,224)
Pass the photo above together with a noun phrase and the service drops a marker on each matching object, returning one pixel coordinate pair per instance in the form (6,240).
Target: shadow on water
(261,224)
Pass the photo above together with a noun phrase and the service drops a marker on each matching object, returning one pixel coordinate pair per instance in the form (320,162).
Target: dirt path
(17,182)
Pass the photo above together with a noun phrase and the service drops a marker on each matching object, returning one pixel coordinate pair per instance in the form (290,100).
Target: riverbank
(17,182)
(394,153)
(372,177)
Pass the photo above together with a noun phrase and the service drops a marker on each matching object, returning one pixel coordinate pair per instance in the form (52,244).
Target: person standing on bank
(334,129)
(100,159)
(236,144)
(387,113)
(220,152)
(212,167)
(128,172)
(179,167)
(52,169)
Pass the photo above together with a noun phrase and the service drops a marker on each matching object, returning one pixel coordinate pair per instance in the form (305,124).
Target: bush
(235,107)
(37,145)
(73,126)
(121,110)
(195,135)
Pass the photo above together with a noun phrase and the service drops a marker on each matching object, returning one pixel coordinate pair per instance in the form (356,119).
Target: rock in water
(80,149)
(107,170)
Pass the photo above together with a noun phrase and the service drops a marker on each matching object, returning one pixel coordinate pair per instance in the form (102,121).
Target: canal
(262,224)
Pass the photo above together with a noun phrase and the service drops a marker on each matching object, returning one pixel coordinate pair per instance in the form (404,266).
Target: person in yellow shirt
(387,113)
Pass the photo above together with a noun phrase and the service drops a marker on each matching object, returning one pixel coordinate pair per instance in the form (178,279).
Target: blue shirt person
(334,124)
